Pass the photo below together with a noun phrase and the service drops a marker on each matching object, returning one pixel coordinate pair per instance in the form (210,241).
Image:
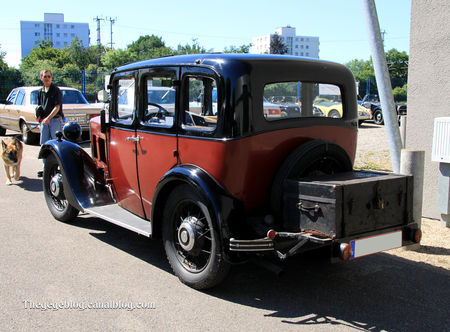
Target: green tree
(398,67)
(195,48)
(277,46)
(3,64)
(400,93)
(82,56)
(238,49)
(10,78)
(147,47)
(115,58)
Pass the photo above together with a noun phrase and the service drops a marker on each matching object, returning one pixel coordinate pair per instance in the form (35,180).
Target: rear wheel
(378,117)
(334,114)
(191,242)
(57,203)
(2,131)
(313,158)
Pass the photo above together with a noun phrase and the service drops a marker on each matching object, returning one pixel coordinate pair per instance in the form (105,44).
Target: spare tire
(315,157)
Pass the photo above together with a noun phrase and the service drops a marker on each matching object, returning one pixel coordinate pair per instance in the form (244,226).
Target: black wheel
(59,207)
(360,122)
(378,117)
(315,157)
(191,242)
(28,137)
(334,114)
(2,131)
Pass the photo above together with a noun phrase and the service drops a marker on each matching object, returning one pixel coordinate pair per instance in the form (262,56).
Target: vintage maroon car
(217,177)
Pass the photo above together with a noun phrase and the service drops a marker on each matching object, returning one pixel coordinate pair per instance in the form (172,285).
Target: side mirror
(102,121)
(102,96)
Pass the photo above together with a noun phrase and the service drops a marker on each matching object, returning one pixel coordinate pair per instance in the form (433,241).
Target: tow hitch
(268,243)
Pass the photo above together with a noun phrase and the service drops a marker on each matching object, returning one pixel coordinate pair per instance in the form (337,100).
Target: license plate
(79,119)
(374,244)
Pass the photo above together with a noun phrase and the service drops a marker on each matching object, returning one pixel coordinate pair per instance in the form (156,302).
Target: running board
(121,217)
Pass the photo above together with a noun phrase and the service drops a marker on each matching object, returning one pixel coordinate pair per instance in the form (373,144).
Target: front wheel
(28,137)
(191,242)
(57,203)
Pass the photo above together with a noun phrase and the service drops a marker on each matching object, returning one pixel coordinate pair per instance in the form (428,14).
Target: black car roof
(219,60)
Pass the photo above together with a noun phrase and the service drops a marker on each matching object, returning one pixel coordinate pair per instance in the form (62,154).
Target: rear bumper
(287,244)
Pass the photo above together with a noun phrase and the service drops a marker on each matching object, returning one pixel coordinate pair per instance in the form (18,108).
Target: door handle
(133,139)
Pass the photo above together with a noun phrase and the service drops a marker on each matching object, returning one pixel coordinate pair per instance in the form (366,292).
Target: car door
(20,109)
(156,133)
(123,143)
(8,117)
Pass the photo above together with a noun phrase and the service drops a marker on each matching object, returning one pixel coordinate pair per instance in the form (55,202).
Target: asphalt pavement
(90,275)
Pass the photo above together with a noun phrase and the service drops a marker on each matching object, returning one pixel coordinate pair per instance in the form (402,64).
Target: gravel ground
(373,153)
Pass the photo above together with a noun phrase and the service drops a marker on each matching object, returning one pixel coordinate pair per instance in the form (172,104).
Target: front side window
(124,96)
(200,104)
(12,96)
(20,97)
(160,93)
(287,100)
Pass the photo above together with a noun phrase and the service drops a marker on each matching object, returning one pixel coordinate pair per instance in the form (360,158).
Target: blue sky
(339,24)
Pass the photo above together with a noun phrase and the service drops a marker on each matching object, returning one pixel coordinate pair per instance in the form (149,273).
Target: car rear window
(287,100)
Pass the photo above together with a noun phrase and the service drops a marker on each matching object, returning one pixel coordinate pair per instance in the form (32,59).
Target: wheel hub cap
(188,233)
(56,185)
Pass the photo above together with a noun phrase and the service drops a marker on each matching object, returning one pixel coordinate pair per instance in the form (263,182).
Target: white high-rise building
(52,28)
(306,46)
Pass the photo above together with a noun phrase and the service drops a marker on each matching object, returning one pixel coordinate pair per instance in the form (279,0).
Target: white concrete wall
(428,86)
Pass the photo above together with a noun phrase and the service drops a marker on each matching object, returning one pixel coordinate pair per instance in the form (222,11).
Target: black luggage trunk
(347,204)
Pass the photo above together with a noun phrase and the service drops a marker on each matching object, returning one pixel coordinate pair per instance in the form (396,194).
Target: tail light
(274,111)
(417,236)
(271,234)
(345,251)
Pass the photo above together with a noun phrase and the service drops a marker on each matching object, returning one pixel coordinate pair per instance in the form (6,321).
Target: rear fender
(84,185)
(222,204)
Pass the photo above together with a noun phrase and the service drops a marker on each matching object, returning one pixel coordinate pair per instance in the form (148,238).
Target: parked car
(226,185)
(17,112)
(333,109)
(372,103)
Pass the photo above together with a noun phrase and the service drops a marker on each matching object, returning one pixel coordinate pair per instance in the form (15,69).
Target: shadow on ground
(379,292)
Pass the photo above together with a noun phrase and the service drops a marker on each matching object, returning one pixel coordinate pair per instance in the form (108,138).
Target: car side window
(287,100)
(34,97)
(20,100)
(12,96)
(124,103)
(200,104)
(159,100)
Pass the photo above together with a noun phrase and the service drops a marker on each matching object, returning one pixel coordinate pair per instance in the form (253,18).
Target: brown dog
(12,150)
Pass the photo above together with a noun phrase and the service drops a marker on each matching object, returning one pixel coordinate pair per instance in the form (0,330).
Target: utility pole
(383,82)
(98,38)
(112,21)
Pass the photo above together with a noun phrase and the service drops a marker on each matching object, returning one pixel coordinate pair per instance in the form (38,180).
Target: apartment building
(52,28)
(306,46)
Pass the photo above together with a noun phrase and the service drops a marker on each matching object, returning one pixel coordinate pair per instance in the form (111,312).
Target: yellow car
(333,109)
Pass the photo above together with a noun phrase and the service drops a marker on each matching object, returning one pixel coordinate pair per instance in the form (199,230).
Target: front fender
(84,185)
(223,205)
